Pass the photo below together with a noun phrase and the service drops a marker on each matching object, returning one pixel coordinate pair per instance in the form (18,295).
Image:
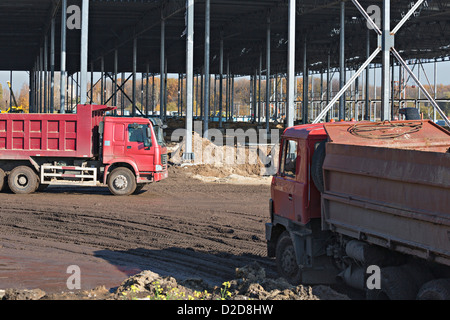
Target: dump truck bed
(51,135)
(390,186)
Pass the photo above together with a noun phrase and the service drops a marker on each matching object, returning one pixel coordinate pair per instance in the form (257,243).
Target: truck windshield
(159,136)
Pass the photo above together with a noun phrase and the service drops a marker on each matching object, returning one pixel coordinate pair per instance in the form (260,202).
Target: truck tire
(438,289)
(410,113)
(122,182)
(139,188)
(2,179)
(22,180)
(285,259)
(42,187)
(395,284)
(317,166)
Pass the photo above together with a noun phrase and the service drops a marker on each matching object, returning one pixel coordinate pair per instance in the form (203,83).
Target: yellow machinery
(14,108)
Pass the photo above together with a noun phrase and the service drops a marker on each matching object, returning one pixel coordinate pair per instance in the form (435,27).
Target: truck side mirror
(148,141)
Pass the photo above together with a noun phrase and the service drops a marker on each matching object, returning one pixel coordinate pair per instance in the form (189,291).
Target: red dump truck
(351,198)
(86,148)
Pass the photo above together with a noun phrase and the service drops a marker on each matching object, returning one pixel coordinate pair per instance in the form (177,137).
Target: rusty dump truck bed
(389,184)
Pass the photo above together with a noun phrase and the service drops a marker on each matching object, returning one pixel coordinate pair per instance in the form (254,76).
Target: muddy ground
(182,228)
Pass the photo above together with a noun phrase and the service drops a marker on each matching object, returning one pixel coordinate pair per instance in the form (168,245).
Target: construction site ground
(181,227)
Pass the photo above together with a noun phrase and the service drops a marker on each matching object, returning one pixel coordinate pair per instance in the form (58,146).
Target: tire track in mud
(197,232)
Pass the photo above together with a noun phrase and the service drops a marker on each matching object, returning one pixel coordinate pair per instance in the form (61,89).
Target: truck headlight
(158,168)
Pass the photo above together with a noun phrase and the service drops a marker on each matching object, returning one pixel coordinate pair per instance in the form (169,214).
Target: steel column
(220,83)
(115,85)
(327,118)
(385,58)
(31,107)
(268,75)
(291,65)
(102,78)
(165,87)
(188,154)
(133,110)
(52,66)
(342,62)
(435,89)
(259,87)
(41,80)
(63,54)
(45,57)
(206,66)
(161,67)
(84,51)
(367,101)
(305,103)
(147,106)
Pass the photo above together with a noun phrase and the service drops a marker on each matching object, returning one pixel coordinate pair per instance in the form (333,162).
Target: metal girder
(385,46)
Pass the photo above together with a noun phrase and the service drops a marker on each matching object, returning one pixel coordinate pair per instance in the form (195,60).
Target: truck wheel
(395,284)
(139,188)
(435,290)
(2,179)
(316,166)
(42,187)
(22,180)
(122,182)
(285,259)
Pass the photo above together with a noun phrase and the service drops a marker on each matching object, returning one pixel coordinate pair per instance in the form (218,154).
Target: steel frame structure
(250,37)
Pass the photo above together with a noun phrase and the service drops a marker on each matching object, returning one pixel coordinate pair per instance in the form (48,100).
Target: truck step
(68,175)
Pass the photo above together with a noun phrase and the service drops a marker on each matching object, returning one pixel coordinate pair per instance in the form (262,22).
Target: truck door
(283,184)
(140,146)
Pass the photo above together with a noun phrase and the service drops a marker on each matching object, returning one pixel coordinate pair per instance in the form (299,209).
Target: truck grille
(164,161)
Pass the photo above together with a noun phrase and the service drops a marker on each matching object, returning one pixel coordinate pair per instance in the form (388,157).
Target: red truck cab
(294,196)
(294,233)
(135,144)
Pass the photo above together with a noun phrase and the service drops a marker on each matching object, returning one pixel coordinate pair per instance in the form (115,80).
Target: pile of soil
(250,283)
(212,160)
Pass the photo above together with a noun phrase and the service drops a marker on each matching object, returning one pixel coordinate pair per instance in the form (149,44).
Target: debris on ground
(251,283)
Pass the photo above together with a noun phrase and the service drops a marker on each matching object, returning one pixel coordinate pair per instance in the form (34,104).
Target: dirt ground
(181,228)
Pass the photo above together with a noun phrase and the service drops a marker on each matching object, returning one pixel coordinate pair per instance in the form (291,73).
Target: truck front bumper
(158,176)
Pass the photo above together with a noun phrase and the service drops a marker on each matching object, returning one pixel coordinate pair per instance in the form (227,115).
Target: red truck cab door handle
(128,147)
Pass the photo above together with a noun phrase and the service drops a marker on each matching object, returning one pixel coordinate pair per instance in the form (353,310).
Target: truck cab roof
(305,131)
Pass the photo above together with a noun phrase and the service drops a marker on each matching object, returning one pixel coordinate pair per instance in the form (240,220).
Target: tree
(23,99)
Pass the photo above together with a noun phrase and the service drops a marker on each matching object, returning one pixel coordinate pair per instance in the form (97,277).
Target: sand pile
(214,160)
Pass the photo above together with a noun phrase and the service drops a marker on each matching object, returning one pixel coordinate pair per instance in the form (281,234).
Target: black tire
(42,187)
(285,259)
(396,284)
(139,188)
(3,178)
(122,182)
(410,113)
(438,289)
(23,180)
(317,166)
